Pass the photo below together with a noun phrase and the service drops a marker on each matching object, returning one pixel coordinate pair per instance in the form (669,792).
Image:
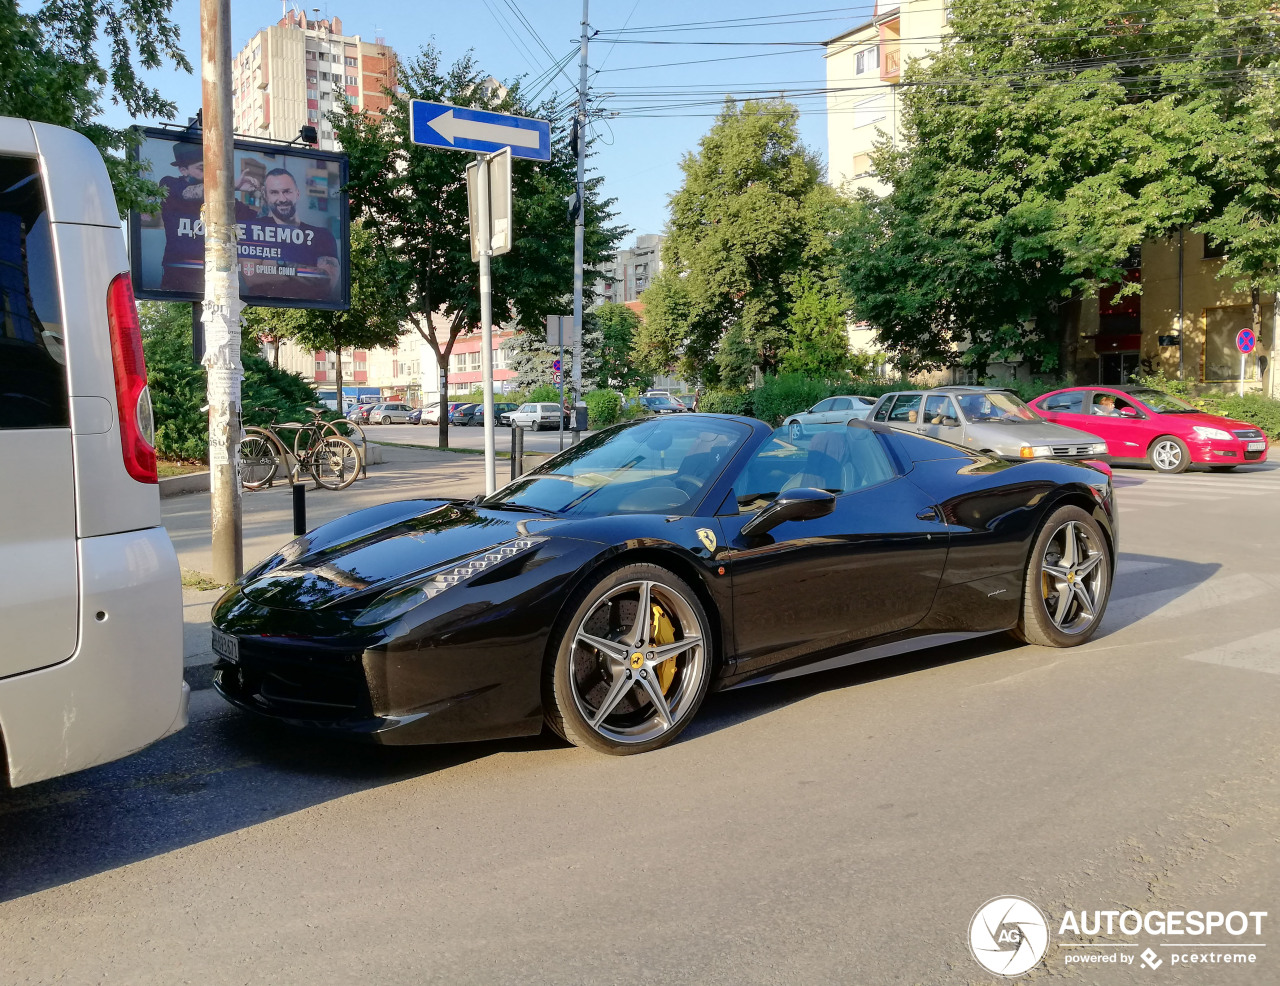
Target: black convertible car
(604,593)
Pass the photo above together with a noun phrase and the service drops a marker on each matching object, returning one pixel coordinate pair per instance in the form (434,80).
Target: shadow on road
(229,771)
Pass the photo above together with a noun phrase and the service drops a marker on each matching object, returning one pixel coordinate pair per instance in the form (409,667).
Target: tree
(57,69)
(744,227)
(533,360)
(818,341)
(413,202)
(1042,144)
(372,320)
(618,326)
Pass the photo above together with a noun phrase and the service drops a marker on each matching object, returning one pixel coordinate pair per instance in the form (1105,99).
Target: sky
(663,109)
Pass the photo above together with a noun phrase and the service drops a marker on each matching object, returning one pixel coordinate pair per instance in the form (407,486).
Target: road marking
(1261,652)
(1168,604)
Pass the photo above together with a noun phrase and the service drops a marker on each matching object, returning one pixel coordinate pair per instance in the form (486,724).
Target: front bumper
(1228,452)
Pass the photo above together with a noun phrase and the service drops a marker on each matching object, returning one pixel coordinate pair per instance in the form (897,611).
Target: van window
(33,376)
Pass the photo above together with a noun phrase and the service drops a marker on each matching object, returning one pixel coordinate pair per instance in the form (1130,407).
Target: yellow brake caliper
(663,633)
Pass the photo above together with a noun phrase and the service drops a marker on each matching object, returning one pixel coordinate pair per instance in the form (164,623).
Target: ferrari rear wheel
(633,665)
(1068,581)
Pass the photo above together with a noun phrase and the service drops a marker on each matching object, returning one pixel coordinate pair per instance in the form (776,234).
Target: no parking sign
(1245,341)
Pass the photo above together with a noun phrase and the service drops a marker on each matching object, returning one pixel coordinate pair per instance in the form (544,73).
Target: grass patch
(198,580)
(168,467)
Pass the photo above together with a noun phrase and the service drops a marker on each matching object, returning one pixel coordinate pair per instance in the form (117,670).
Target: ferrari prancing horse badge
(708,538)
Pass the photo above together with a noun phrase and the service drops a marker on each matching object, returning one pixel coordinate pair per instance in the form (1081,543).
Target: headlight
(1098,448)
(1034,451)
(397,602)
(1203,432)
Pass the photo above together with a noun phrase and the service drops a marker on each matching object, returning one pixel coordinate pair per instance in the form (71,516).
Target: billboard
(291,223)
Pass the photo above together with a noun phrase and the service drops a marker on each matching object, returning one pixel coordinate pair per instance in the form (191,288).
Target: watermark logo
(1008,936)
(1150,960)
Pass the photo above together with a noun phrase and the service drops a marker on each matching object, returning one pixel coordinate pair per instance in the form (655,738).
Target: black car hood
(371,551)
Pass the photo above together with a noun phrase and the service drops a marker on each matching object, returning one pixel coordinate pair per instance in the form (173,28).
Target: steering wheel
(687,484)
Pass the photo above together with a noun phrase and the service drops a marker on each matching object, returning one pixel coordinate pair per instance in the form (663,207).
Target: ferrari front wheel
(1068,581)
(633,663)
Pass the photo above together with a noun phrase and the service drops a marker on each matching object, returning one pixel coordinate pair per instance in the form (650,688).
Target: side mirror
(801,503)
(1129,412)
(950,422)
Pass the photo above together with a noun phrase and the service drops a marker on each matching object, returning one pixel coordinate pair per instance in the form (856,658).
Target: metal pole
(299,509)
(486,324)
(517,452)
(1182,368)
(579,224)
(560,332)
(222,304)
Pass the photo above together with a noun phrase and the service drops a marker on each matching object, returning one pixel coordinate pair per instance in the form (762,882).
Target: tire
(335,464)
(260,459)
(1047,619)
(598,666)
(1221,468)
(386,419)
(795,430)
(1168,455)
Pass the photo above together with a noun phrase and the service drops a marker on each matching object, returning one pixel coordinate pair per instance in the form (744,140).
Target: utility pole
(222,304)
(579,224)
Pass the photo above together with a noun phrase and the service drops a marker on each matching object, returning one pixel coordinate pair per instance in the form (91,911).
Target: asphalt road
(840,828)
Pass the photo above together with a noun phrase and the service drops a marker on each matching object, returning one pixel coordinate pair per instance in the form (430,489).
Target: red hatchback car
(1141,424)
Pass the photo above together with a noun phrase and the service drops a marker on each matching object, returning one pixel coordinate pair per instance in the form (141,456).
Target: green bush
(727,402)
(544,394)
(787,393)
(603,408)
(1029,391)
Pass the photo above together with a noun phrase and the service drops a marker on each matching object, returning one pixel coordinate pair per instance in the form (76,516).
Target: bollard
(517,451)
(575,436)
(299,509)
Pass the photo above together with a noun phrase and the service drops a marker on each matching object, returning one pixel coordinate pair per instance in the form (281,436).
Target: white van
(90,591)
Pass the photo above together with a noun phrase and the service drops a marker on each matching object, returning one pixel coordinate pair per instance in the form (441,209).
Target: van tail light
(133,397)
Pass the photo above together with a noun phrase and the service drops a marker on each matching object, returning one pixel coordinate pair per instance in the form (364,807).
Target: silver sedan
(834,410)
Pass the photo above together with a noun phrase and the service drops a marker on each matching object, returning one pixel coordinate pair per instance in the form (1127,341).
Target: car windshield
(1163,403)
(662,402)
(995,406)
(657,465)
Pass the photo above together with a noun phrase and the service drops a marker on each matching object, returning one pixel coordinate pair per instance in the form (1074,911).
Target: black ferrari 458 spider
(606,592)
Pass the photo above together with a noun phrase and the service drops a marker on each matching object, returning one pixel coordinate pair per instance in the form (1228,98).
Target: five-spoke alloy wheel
(633,664)
(1168,455)
(1068,581)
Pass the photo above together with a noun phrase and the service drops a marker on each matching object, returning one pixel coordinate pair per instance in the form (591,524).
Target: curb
(192,482)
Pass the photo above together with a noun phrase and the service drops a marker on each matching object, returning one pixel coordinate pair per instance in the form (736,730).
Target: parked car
(415,416)
(539,416)
(462,414)
(834,410)
(1139,423)
(663,404)
(90,591)
(505,411)
(359,413)
(985,419)
(388,413)
(500,408)
(632,523)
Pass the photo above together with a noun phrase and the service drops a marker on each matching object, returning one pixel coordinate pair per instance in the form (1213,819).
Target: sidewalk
(406,473)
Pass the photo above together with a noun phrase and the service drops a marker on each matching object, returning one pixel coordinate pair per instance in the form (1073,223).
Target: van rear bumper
(122,689)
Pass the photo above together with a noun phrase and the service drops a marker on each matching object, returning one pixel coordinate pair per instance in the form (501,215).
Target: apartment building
(296,71)
(388,372)
(623,278)
(464,366)
(1183,323)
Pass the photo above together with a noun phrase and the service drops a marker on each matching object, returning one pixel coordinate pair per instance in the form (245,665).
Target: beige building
(864,73)
(394,372)
(294,72)
(1184,322)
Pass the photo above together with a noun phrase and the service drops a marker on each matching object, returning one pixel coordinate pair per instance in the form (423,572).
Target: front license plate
(226,646)
(1257,446)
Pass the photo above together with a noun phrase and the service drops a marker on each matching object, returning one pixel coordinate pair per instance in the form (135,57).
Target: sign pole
(222,303)
(486,324)
(560,363)
(579,223)
(1244,358)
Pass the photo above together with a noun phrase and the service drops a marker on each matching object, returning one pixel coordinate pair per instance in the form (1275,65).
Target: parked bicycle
(333,461)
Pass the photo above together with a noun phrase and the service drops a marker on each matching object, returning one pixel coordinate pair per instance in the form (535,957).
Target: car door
(814,588)
(818,413)
(1125,436)
(838,413)
(940,420)
(39,567)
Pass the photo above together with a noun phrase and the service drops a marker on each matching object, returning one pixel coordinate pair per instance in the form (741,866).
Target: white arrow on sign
(451,128)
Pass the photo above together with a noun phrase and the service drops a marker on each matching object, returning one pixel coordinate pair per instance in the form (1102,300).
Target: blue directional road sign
(458,128)
(1245,341)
